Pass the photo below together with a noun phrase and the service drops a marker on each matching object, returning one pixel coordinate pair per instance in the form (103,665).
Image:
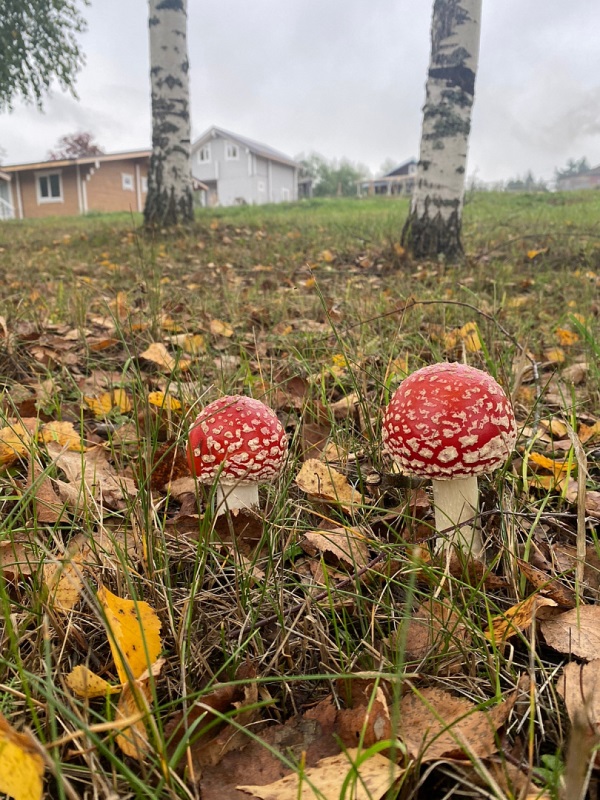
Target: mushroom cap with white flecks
(236,439)
(449,421)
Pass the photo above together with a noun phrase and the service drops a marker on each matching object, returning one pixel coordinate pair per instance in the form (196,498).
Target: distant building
(399,181)
(590,179)
(240,171)
(109,182)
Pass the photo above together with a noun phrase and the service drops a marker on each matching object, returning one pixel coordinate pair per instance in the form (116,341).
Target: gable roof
(401,170)
(65,162)
(255,147)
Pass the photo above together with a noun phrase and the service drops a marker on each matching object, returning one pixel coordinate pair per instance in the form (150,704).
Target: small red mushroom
(451,423)
(238,442)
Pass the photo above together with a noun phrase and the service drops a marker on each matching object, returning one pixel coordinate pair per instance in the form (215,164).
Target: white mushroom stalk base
(231,496)
(455,502)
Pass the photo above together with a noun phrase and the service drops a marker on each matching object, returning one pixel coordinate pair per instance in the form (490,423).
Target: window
(127,181)
(49,188)
(232,152)
(204,154)
(144,184)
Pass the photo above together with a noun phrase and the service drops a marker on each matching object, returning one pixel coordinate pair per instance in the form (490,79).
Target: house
(239,171)
(590,179)
(109,182)
(399,181)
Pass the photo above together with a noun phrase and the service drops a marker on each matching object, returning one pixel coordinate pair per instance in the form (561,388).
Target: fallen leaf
(21,766)
(323,482)
(576,632)
(565,337)
(17,559)
(85,683)
(434,631)
(158,354)
(15,443)
(219,328)
(162,400)
(592,499)
(435,724)
(517,618)
(107,402)
(133,633)
(551,587)
(344,775)
(340,545)
(579,686)
(64,434)
(368,724)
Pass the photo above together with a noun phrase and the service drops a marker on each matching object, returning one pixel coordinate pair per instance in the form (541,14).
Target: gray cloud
(343,77)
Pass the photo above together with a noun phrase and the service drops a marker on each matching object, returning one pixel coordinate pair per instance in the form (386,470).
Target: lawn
(321,637)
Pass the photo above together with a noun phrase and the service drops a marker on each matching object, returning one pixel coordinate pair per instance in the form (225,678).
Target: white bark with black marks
(170,199)
(434,224)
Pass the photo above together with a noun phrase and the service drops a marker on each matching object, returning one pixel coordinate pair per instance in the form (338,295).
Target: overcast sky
(339,77)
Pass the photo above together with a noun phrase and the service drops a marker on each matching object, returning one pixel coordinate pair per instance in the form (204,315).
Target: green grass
(322,303)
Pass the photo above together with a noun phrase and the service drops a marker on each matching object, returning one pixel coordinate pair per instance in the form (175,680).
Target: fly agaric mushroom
(236,441)
(451,423)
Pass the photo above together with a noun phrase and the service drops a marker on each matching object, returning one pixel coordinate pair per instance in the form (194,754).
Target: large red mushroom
(451,423)
(237,442)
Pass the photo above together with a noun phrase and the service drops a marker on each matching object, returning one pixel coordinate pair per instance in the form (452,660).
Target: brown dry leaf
(328,778)
(435,724)
(314,438)
(579,686)
(322,482)
(21,766)
(219,328)
(517,618)
(133,633)
(555,427)
(158,354)
(85,683)
(367,724)
(64,577)
(435,631)
(92,478)
(576,632)
(576,373)
(17,559)
(345,407)
(339,546)
(551,587)
(102,405)
(48,507)
(592,499)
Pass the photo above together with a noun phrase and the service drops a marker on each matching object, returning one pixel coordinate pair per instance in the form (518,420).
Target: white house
(237,170)
(6,207)
(398,181)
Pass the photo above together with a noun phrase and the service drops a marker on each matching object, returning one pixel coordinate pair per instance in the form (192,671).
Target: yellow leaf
(163,400)
(516,618)
(64,434)
(322,481)
(21,766)
(555,355)
(15,443)
(531,254)
(327,256)
(587,432)
(558,467)
(85,683)
(159,355)
(102,405)
(133,632)
(218,328)
(310,282)
(194,344)
(134,704)
(566,337)
(470,336)
(398,249)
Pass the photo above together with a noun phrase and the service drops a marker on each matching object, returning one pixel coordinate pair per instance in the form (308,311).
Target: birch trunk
(433,226)
(170,199)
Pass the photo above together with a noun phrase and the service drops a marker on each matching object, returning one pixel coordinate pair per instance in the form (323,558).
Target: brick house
(109,182)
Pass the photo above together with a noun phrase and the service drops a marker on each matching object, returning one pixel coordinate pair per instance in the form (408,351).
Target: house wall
(579,182)
(69,204)
(104,188)
(249,178)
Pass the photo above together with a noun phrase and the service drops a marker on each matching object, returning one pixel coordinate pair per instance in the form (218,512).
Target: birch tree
(169,200)
(433,226)
(38,45)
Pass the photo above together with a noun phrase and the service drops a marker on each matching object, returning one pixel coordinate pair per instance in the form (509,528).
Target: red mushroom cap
(449,421)
(236,439)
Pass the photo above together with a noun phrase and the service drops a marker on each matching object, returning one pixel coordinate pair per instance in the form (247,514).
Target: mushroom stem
(231,496)
(456,501)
